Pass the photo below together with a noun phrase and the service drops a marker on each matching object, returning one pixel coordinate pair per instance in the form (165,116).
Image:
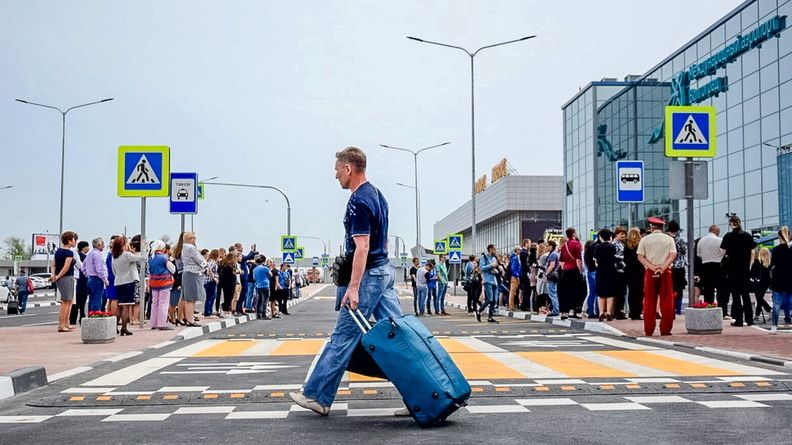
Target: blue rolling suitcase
(430,383)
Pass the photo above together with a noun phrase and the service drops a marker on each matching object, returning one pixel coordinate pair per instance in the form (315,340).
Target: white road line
(163,344)
(769,397)
(137,417)
(129,374)
(619,343)
(89,412)
(261,348)
(622,365)
(316,359)
(626,406)
(86,390)
(493,409)
(546,401)
(129,393)
(371,385)
(23,419)
(528,368)
(659,399)
(371,412)
(296,386)
(733,404)
(653,380)
(205,410)
(189,351)
(560,382)
(227,391)
(183,389)
(744,379)
(68,373)
(333,407)
(238,415)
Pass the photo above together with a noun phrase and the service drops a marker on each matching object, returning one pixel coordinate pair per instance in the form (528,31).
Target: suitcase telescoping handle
(360,319)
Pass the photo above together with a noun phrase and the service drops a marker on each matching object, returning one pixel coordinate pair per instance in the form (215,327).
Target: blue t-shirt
(262,276)
(431,283)
(283,279)
(553,258)
(367,214)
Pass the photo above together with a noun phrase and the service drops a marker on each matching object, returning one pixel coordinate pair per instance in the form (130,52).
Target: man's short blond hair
(353,156)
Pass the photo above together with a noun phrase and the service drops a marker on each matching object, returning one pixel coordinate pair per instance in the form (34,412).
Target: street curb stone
(22,380)
(27,379)
(595,326)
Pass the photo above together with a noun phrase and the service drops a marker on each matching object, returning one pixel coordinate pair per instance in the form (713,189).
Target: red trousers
(661,287)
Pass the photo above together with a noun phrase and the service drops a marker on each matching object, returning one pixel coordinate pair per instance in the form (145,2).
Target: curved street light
(472,56)
(256,186)
(63,142)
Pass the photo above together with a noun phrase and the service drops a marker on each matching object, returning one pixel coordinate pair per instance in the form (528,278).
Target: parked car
(39,283)
(44,278)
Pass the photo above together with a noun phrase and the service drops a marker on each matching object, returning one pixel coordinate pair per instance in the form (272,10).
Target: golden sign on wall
(481,184)
(499,171)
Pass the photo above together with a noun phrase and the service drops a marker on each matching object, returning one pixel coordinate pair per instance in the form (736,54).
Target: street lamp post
(418,201)
(415,154)
(472,56)
(270,187)
(63,143)
(6,187)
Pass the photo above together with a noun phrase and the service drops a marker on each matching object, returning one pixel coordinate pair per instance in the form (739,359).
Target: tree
(165,238)
(15,246)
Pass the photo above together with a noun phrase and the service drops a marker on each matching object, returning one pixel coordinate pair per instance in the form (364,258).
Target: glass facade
(754,118)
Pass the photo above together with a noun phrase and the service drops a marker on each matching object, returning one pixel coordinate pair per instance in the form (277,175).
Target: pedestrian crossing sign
(455,257)
(288,258)
(201,194)
(288,243)
(325,260)
(690,132)
(441,247)
(299,253)
(143,171)
(455,242)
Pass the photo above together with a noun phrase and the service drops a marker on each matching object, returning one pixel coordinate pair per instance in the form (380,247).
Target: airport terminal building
(509,210)
(742,66)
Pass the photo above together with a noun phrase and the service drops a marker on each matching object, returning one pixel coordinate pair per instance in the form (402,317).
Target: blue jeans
(377,297)
(249,291)
(95,294)
(593,307)
(423,292)
(490,298)
(23,296)
(781,300)
(442,288)
(431,300)
(211,294)
(552,291)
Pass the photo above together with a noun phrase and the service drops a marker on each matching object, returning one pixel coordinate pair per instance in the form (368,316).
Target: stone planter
(98,330)
(704,321)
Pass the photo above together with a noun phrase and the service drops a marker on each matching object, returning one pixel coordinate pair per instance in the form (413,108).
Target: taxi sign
(315,261)
(143,171)
(456,242)
(690,132)
(183,193)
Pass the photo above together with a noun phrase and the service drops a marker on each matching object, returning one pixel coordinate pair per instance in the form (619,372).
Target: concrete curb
(22,380)
(27,379)
(596,326)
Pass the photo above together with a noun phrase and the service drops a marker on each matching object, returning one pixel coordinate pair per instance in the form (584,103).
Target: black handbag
(342,270)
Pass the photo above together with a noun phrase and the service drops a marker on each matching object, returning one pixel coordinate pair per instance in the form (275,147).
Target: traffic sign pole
(144,252)
(690,241)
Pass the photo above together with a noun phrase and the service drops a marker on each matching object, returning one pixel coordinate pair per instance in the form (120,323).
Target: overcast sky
(267,92)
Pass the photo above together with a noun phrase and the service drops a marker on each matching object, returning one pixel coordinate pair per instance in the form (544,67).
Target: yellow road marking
(698,385)
(227,349)
(370,392)
(672,385)
(541,388)
(633,386)
(737,385)
(238,395)
(477,389)
(171,396)
(344,392)
(763,384)
(568,388)
(103,398)
(477,365)
(277,394)
(301,347)
(143,397)
(501,389)
(76,398)
(607,387)
(667,364)
(566,363)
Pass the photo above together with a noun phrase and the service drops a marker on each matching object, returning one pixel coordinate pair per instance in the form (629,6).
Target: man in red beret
(657,252)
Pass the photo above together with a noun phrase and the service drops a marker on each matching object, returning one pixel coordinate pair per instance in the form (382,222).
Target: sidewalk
(62,351)
(745,341)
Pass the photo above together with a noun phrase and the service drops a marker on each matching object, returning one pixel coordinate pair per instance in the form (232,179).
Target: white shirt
(420,277)
(709,248)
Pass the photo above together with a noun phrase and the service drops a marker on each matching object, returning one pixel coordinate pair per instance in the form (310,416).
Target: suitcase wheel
(372,347)
(435,395)
(391,334)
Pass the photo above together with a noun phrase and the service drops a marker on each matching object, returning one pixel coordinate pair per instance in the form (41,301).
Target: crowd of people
(626,273)
(172,279)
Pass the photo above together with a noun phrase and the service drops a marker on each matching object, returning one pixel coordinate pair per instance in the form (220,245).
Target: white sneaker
(311,404)
(774,329)
(402,412)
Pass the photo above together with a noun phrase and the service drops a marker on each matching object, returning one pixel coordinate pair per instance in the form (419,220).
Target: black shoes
(492,320)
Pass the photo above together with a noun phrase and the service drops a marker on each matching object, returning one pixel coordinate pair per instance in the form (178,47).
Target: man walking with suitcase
(370,288)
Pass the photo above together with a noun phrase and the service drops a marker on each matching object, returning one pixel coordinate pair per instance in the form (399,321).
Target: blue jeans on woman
(377,297)
(211,294)
(490,298)
(591,301)
(552,292)
(95,294)
(442,288)
(781,300)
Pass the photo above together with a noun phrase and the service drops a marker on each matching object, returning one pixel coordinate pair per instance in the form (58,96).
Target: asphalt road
(41,310)
(532,382)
